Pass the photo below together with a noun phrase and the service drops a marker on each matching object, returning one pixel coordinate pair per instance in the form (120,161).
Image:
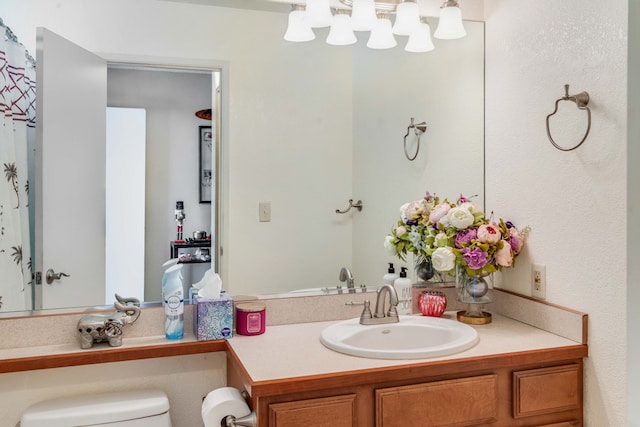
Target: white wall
(445,88)
(575,202)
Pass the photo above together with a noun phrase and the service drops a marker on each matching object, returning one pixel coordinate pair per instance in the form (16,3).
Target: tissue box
(213,319)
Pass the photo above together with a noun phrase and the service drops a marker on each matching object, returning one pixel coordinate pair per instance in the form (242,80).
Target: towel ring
(582,101)
(418,129)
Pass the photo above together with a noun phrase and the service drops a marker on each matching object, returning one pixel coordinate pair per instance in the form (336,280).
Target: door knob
(51,275)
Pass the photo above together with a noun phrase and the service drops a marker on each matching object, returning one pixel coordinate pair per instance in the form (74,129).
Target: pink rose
(504,255)
(438,212)
(400,231)
(412,212)
(515,240)
(489,233)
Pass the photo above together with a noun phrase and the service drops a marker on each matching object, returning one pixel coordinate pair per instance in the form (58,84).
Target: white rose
(403,212)
(460,218)
(443,259)
(400,231)
(440,239)
(470,205)
(390,247)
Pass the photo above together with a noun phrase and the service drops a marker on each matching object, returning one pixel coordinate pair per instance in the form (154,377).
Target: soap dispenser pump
(403,287)
(391,275)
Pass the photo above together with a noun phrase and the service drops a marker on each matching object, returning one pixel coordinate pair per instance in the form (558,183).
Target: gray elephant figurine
(98,327)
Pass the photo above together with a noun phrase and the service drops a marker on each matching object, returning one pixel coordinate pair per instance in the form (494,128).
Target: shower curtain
(17,141)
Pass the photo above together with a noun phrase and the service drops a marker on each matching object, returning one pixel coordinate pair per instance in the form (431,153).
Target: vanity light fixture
(420,39)
(373,16)
(450,25)
(319,13)
(381,36)
(363,15)
(407,18)
(298,29)
(341,32)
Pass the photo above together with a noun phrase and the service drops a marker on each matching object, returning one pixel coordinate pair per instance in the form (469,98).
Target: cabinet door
(546,390)
(334,411)
(451,403)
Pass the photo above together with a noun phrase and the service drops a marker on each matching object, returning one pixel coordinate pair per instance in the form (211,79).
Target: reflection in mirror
(310,126)
(166,167)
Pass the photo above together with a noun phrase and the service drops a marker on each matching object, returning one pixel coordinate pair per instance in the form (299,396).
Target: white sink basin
(414,337)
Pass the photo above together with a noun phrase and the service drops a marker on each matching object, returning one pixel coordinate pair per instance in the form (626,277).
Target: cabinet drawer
(451,403)
(546,390)
(334,411)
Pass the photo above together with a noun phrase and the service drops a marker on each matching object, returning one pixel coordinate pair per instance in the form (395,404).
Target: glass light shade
(363,15)
(407,18)
(319,13)
(341,33)
(450,25)
(420,39)
(381,36)
(298,29)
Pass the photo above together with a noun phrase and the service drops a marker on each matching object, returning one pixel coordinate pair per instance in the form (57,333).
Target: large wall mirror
(305,128)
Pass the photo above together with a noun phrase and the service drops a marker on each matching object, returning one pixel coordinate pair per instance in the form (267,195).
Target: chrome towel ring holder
(418,129)
(582,101)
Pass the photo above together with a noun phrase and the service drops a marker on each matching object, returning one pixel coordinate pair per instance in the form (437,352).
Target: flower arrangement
(455,234)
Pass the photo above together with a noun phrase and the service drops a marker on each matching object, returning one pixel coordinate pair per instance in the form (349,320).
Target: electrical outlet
(539,281)
(264,211)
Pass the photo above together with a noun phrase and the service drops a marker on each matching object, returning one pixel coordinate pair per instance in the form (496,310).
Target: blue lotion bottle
(173,301)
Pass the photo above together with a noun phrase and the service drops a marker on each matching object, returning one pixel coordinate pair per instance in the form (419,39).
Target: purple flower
(428,197)
(475,258)
(465,236)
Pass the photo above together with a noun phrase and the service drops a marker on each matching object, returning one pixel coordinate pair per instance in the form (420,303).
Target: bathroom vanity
(524,372)
(517,375)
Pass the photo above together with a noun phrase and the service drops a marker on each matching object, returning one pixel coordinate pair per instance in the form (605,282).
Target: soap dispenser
(391,276)
(403,287)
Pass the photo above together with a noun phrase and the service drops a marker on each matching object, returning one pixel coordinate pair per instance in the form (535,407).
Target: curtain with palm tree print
(17,134)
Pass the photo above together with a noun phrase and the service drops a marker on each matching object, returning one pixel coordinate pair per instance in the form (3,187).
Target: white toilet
(142,408)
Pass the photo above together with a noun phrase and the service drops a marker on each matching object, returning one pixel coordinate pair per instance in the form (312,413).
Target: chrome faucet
(379,315)
(346,276)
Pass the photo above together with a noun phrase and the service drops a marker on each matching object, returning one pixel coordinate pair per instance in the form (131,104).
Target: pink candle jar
(250,318)
(432,302)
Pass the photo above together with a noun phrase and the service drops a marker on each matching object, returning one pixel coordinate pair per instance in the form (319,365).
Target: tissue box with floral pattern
(213,319)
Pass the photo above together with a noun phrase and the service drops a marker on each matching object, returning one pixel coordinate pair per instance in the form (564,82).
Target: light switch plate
(264,211)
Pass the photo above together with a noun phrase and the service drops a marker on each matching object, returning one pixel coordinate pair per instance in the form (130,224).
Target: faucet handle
(393,311)
(366,312)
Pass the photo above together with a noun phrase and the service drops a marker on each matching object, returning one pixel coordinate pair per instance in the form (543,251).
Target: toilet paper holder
(250,420)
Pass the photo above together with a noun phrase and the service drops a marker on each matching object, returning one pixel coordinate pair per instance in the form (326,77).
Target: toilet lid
(94,409)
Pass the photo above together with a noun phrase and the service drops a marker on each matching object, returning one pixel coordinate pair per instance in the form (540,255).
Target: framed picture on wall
(206,163)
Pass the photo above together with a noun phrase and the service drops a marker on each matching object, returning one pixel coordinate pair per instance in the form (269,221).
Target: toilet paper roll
(222,402)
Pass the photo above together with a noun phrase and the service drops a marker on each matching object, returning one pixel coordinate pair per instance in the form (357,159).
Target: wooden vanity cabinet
(532,389)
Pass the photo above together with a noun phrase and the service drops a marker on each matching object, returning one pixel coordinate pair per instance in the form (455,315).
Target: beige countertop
(295,350)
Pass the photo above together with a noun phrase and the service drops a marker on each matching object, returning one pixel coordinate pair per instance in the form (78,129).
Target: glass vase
(475,292)
(428,277)
(424,271)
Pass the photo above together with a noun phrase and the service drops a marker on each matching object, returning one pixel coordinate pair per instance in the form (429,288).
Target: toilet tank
(139,408)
